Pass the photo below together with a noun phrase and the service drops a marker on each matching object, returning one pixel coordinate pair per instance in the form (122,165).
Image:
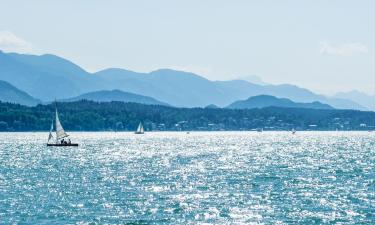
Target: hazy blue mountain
(116,95)
(9,93)
(211,106)
(262,101)
(239,89)
(47,77)
(362,98)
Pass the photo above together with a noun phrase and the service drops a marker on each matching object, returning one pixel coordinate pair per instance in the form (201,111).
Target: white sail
(50,136)
(140,129)
(60,133)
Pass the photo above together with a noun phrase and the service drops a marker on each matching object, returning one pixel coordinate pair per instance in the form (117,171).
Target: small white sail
(140,129)
(60,132)
(50,136)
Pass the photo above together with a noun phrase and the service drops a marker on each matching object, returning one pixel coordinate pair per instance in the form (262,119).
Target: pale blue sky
(326,46)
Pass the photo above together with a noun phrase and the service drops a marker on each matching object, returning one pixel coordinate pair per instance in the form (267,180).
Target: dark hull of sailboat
(63,145)
(139,132)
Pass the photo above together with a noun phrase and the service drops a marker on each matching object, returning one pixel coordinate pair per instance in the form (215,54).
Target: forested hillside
(93,116)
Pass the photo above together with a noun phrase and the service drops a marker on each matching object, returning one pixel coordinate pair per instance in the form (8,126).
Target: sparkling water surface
(196,178)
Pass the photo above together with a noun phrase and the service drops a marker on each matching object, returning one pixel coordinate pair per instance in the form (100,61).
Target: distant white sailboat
(140,129)
(60,134)
(294,131)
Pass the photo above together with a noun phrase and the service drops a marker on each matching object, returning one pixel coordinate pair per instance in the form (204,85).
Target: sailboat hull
(63,145)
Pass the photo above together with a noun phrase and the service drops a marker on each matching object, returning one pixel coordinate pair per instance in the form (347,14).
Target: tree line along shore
(119,116)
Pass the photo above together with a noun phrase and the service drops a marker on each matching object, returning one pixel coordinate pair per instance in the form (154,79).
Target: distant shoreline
(119,116)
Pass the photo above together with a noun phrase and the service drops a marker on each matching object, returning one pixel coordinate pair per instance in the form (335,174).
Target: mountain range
(47,77)
(185,89)
(262,101)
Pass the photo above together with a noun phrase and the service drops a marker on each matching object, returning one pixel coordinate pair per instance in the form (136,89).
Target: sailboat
(140,129)
(294,131)
(60,134)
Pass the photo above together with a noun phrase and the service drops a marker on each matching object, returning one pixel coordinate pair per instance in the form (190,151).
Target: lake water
(196,178)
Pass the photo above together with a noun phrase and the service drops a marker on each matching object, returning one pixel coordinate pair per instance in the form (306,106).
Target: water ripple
(196,178)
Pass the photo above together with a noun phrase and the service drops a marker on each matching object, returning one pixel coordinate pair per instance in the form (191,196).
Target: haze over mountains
(47,77)
(361,98)
(9,93)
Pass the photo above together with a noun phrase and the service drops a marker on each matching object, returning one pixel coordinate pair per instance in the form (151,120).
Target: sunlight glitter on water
(196,178)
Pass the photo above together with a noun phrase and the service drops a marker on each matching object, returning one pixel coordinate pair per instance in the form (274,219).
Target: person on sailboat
(69,142)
